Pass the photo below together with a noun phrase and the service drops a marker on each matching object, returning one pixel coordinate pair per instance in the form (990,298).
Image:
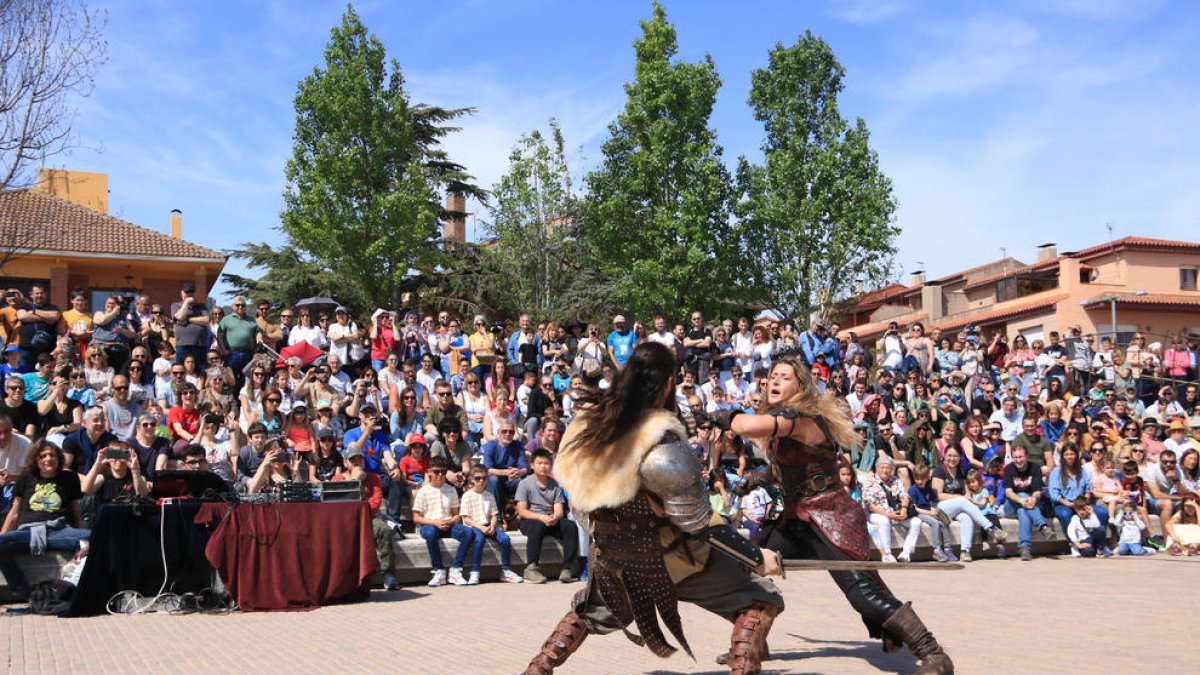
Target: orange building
(59,233)
(1153,283)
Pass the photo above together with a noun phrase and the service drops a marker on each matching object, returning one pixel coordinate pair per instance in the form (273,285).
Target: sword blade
(850,565)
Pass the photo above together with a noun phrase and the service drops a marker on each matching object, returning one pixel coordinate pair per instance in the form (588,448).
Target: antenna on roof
(1003,259)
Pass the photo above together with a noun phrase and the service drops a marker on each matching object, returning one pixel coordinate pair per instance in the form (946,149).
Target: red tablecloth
(291,556)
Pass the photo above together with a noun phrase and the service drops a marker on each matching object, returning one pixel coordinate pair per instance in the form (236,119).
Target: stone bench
(413,566)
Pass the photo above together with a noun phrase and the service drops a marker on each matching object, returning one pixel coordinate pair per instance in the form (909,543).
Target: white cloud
(866,11)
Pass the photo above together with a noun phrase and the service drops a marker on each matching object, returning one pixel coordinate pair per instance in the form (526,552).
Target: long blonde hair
(809,402)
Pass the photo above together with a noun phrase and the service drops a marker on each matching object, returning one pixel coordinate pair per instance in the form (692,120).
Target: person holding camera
(112,333)
(115,475)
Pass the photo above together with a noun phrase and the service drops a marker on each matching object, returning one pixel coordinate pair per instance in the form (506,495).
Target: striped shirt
(479,507)
(436,503)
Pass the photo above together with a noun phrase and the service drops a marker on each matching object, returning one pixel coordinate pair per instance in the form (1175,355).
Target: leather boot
(566,638)
(749,641)
(905,624)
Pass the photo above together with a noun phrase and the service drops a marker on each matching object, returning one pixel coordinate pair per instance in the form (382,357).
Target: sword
(854,565)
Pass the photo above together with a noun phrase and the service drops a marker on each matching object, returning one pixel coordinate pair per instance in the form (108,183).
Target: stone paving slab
(1052,615)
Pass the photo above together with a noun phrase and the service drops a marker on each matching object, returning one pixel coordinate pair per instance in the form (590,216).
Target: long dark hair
(639,386)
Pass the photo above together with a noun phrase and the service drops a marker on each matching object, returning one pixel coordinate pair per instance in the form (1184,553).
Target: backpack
(52,597)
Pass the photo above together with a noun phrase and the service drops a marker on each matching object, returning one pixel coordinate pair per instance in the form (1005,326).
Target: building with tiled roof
(59,232)
(1151,283)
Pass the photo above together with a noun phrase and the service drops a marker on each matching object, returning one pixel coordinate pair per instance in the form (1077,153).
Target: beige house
(59,233)
(1151,282)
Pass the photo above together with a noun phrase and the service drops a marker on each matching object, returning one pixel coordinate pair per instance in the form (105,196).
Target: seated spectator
(120,411)
(60,415)
(984,498)
(24,415)
(414,465)
(752,500)
(1183,529)
(950,484)
(1130,528)
(1106,487)
(44,516)
(13,448)
(480,512)
(371,436)
(252,455)
(184,419)
(499,413)
(153,450)
(444,406)
(327,462)
(505,462)
(887,507)
(298,431)
(12,363)
(80,446)
(96,369)
(405,419)
(79,390)
(373,495)
(1024,488)
(275,468)
(548,436)
(455,449)
(924,499)
(541,509)
(114,475)
(1086,534)
(436,514)
(220,455)
(718,496)
(1067,483)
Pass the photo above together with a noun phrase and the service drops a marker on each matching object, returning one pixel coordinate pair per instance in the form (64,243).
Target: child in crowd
(753,500)
(415,463)
(479,512)
(982,497)
(1086,535)
(436,514)
(1133,488)
(1131,528)
(717,402)
(527,386)
(718,496)
(1107,487)
(12,362)
(924,498)
(162,373)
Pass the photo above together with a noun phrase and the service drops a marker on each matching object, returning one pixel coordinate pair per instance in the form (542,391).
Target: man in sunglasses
(1163,481)
(504,458)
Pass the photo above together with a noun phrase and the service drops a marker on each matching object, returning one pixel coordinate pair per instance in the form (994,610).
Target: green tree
(289,277)
(364,181)
(658,209)
(538,246)
(819,212)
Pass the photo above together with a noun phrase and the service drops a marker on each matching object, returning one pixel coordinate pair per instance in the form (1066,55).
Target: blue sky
(1001,124)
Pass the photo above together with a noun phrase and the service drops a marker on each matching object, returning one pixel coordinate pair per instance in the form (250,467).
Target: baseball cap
(340,310)
(366,406)
(620,318)
(352,452)
(415,439)
(327,432)
(188,287)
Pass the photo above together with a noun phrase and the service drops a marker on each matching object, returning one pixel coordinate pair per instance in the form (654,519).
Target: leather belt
(809,486)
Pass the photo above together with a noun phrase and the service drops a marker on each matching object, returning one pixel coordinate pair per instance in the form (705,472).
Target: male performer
(801,430)
(636,485)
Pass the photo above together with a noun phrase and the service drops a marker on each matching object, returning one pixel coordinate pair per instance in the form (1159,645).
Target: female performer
(802,432)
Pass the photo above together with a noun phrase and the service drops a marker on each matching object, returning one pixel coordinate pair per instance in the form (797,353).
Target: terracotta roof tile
(1003,313)
(1177,299)
(1139,242)
(40,221)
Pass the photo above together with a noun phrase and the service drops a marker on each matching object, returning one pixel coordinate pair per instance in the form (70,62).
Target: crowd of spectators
(452,429)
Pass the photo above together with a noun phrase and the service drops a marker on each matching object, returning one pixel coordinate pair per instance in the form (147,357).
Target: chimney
(1047,252)
(917,278)
(455,226)
(176,224)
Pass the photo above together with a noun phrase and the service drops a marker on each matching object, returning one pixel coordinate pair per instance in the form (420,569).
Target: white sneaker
(474,578)
(1075,553)
(456,577)
(439,578)
(904,556)
(511,577)
(889,558)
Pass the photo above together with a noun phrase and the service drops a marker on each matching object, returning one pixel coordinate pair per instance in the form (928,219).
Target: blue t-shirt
(372,449)
(622,345)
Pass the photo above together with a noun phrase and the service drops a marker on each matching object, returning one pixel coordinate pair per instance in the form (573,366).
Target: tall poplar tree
(658,208)
(818,212)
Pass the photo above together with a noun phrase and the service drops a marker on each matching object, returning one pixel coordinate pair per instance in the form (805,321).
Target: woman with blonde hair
(804,433)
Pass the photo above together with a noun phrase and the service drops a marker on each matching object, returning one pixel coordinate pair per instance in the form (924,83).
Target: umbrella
(317,301)
(302,350)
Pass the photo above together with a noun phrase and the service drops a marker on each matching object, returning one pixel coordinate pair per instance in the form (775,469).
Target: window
(98,296)
(1187,278)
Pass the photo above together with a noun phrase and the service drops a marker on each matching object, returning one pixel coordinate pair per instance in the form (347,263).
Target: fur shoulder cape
(597,478)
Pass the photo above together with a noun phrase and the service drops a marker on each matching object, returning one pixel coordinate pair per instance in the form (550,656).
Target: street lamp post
(1112,306)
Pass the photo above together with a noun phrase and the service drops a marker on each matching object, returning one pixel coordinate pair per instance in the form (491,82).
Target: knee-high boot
(906,625)
(749,639)
(566,638)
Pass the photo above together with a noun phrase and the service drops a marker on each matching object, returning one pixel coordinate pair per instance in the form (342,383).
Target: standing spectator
(238,335)
(306,331)
(40,322)
(699,343)
(112,332)
(484,346)
(541,508)
(383,338)
(505,461)
(436,513)
(524,348)
(620,342)
(762,350)
(192,335)
(46,494)
(1024,491)
(480,512)
(14,300)
(344,337)
(660,334)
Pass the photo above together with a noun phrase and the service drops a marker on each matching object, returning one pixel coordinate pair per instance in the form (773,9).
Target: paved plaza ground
(1046,616)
